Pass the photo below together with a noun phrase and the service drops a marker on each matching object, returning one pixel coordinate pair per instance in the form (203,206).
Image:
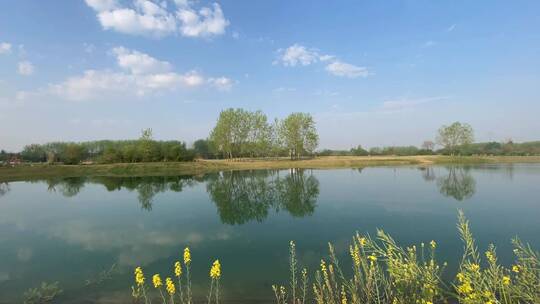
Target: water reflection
(243,196)
(147,187)
(458,183)
(428,173)
(240,196)
(4,189)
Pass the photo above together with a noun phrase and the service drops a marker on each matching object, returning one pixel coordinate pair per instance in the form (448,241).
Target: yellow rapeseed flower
(506,280)
(465,288)
(156,279)
(343,295)
(372,258)
(170,286)
(515,268)
(215,270)
(433,244)
(177,269)
(363,241)
(490,256)
(355,254)
(187,256)
(139,276)
(475,267)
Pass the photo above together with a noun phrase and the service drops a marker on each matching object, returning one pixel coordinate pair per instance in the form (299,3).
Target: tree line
(144,149)
(239,133)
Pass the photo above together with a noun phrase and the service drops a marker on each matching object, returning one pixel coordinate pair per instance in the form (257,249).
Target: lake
(90,233)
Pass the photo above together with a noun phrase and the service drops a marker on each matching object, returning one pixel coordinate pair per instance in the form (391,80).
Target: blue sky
(374,73)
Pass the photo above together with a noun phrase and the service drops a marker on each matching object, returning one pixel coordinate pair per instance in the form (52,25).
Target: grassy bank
(35,171)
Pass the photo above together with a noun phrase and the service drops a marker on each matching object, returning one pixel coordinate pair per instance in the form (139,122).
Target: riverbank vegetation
(37,171)
(242,134)
(381,272)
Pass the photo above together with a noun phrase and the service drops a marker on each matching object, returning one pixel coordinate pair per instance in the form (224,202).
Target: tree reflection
(242,196)
(147,187)
(68,187)
(458,184)
(428,173)
(4,189)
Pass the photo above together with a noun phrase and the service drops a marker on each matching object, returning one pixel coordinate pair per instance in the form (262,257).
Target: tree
(223,134)
(359,151)
(34,153)
(428,145)
(457,134)
(147,147)
(241,133)
(73,154)
(298,134)
(201,147)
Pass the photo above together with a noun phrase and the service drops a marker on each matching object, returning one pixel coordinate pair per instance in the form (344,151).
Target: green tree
(72,154)
(223,135)
(201,148)
(147,148)
(298,134)
(241,133)
(454,135)
(34,153)
(359,151)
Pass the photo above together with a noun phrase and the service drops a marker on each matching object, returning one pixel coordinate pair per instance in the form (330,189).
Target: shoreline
(37,171)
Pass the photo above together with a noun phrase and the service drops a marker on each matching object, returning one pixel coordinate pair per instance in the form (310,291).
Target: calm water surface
(89,233)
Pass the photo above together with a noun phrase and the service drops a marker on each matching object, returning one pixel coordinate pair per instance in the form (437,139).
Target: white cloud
(92,84)
(130,21)
(139,74)
(147,18)
(222,83)
(139,63)
(26,68)
(405,103)
(297,54)
(343,69)
(206,22)
(5,48)
(300,55)
(102,5)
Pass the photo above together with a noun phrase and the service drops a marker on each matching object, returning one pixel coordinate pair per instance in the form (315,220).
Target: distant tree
(34,153)
(72,154)
(129,153)
(147,148)
(241,133)
(201,148)
(454,135)
(111,155)
(375,151)
(3,156)
(259,134)
(359,151)
(224,134)
(428,145)
(298,134)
